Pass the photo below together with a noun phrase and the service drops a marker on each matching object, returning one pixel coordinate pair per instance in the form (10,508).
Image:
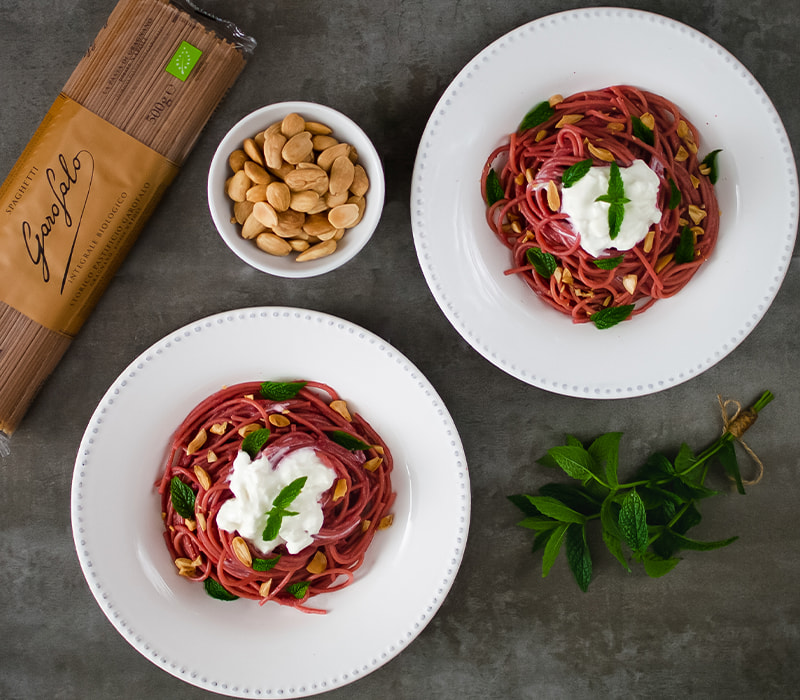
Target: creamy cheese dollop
(256,483)
(590,217)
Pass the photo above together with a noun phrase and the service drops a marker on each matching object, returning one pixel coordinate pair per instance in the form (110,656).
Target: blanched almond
(298,148)
(360,181)
(341,177)
(320,250)
(344,215)
(252,226)
(292,124)
(279,195)
(266,214)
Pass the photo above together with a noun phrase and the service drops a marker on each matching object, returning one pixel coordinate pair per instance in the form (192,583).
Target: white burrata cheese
(590,217)
(256,483)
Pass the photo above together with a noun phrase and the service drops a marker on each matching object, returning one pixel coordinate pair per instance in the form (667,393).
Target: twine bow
(736,425)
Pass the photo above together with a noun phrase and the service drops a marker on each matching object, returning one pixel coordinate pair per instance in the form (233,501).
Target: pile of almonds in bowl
(296,189)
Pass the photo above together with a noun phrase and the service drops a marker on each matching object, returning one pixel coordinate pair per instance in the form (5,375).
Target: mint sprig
(684,252)
(265,564)
(494,190)
(298,589)
(281,391)
(616,200)
(645,520)
(710,161)
(254,441)
(642,131)
(216,590)
(537,115)
(575,172)
(543,262)
(279,509)
(348,441)
(608,263)
(611,316)
(183,497)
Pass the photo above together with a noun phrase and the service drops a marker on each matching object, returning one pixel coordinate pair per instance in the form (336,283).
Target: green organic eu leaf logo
(183,60)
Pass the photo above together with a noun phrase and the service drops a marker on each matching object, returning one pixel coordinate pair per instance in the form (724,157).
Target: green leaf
(655,567)
(348,441)
(616,212)
(541,540)
(494,190)
(273,526)
(288,493)
(576,497)
(687,543)
(633,522)
(575,172)
(520,500)
(641,131)
(710,161)
(605,452)
(608,263)
(299,589)
(544,263)
(689,518)
(727,458)
(183,497)
(553,508)
(265,564)
(616,188)
(616,200)
(611,316)
(539,523)
(674,195)
(684,252)
(614,545)
(578,556)
(537,115)
(684,459)
(281,391)
(253,443)
(216,590)
(552,548)
(574,461)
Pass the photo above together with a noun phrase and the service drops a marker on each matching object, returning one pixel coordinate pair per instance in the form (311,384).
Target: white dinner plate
(240,648)
(677,338)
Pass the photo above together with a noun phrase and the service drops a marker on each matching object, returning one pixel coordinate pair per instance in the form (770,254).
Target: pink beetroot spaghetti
(528,181)
(258,428)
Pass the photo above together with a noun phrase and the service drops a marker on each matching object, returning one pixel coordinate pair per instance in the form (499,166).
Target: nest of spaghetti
(522,185)
(271,421)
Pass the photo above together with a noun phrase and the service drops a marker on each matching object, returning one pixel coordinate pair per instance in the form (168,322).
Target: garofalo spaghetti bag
(91,175)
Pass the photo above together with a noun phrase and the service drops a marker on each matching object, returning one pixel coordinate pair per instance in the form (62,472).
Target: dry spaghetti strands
(599,125)
(351,516)
(73,204)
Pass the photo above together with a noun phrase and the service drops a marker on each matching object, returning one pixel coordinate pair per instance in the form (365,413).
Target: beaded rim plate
(268,651)
(463,263)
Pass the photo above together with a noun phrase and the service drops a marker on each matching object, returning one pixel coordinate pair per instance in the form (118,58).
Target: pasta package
(93,172)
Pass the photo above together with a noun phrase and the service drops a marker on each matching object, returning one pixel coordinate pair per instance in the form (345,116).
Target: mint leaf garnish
(538,115)
(674,195)
(608,263)
(265,564)
(611,316)
(279,509)
(684,253)
(216,590)
(578,556)
(494,190)
(642,132)
(633,522)
(253,443)
(183,497)
(544,263)
(299,589)
(616,200)
(710,161)
(575,172)
(348,441)
(281,391)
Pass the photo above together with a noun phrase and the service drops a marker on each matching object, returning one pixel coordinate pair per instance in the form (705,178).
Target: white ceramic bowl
(221,207)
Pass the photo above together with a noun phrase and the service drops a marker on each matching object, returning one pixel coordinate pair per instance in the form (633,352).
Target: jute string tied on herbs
(737,424)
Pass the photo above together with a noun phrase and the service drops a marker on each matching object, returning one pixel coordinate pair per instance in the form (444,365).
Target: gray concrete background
(722,625)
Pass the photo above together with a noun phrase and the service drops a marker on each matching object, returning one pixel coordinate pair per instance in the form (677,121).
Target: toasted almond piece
(242,551)
(241,210)
(278,420)
(256,172)
(279,195)
(692,146)
(317,128)
(566,277)
(237,159)
(540,135)
(197,442)
(211,456)
(372,464)
(263,589)
(386,521)
(682,129)
(558,274)
(648,240)
(246,430)
(555,100)
(697,231)
(662,262)
(202,476)
(613,127)
(630,282)
(257,193)
(568,119)
(696,214)
(341,176)
(340,407)
(648,120)
(298,148)
(273,147)
(238,186)
(553,197)
(343,215)
(340,489)
(326,157)
(681,155)
(320,250)
(191,524)
(219,428)
(365,525)
(292,124)
(704,170)
(266,214)
(318,564)
(273,244)
(252,225)
(600,153)
(201,521)
(253,151)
